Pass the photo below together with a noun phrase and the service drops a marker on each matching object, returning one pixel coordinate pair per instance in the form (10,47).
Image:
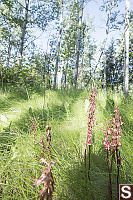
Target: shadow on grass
(22,125)
(52,112)
(110,105)
(45,116)
(72,93)
(11,98)
(6,140)
(125,109)
(77,186)
(16,93)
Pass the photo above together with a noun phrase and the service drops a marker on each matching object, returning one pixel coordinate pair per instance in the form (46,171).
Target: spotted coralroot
(91,117)
(48,138)
(48,134)
(113,133)
(91,122)
(46,179)
(112,142)
(34,126)
(43,145)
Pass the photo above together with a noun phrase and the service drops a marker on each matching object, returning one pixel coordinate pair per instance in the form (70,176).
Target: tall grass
(65,112)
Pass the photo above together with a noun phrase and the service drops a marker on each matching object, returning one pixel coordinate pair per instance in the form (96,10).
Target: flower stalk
(46,177)
(91,120)
(34,127)
(47,180)
(48,137)
(112,142)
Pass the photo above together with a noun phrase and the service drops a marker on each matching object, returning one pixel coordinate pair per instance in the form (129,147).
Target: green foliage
(25,92)
(65,113)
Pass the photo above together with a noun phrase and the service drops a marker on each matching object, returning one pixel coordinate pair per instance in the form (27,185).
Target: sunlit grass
(65,111)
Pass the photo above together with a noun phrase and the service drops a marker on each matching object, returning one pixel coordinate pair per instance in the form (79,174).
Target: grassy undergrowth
(65,112)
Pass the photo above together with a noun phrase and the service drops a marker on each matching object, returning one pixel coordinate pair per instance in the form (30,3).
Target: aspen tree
(23,33)
(78,44)
(126,51)
(58,45)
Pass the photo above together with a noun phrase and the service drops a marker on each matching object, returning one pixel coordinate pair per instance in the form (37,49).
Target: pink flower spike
(113,137)
(116,144)
(119,143)
(37,182)
(104,142)
(44,161)
(107,145)
(42,142)
(113,143)
(106,137)
(89,142)
(108,131)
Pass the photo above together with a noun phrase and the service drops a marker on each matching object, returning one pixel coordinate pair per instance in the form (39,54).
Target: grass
(65,112)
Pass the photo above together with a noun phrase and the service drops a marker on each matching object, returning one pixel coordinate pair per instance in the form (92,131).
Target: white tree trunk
(23,33)
(9,50)
(58,46)
(126,51)
(106,45)
(78,44)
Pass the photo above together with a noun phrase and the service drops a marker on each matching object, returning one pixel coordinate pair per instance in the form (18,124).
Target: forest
(66,91)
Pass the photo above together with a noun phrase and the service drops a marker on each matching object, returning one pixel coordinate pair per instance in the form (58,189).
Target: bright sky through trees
(91,10)
(59,61)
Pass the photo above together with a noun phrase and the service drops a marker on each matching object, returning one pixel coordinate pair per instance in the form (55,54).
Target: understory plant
(48,137)
(46,177)
(112,143)
(34,126)
(91,123)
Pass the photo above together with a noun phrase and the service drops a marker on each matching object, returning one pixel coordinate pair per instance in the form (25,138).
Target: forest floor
(67,114)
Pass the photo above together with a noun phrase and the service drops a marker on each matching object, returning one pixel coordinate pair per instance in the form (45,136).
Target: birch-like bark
(106,46)
(66,71)
(23,33)
(44,80)
(58,46)
(48,76)
(68,56)
(126,51)
(66,67)
(2,81)
(78,44)
(9,50)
